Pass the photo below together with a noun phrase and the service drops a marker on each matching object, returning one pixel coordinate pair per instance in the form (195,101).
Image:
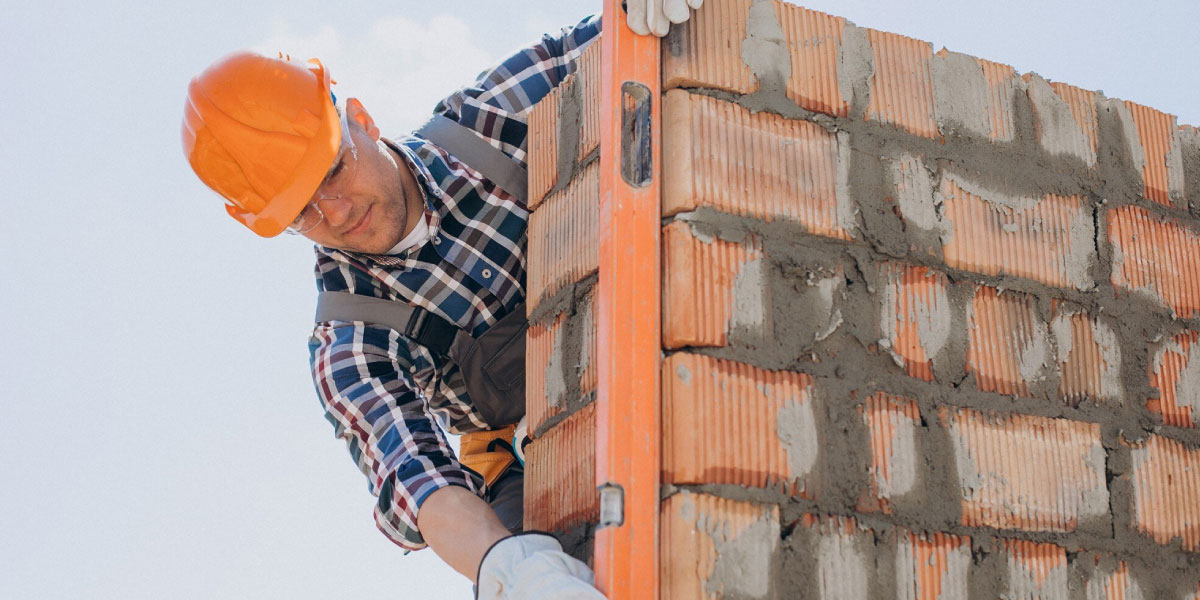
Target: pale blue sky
(159,434)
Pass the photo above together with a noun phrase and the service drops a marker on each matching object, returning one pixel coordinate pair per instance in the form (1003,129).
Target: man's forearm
(460,527)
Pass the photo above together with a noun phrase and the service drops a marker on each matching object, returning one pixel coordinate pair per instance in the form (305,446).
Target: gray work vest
(492,365)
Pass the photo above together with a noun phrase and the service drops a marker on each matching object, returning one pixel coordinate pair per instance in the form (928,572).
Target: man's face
(370,195)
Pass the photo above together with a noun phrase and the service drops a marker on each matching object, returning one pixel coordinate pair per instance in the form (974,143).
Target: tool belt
(488,453)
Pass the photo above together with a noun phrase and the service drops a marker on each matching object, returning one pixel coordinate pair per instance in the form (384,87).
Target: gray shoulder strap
(418,324)
(466,145)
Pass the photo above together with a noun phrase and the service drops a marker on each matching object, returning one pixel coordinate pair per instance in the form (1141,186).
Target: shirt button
(487,273)
(437,241)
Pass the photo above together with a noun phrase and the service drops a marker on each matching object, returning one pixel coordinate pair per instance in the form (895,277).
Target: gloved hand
(520,440)
(655,16)
(533,565)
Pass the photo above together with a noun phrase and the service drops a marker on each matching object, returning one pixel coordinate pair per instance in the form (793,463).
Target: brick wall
(927,322)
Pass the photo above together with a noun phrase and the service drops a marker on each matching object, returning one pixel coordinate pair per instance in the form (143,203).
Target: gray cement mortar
(572,347)
(961,95)
(1190,157)
(567,131)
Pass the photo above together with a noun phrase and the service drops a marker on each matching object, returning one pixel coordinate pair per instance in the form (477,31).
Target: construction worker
(420,245)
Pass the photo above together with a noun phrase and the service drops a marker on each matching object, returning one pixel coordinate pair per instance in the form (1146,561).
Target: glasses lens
(309,218)
(339,179)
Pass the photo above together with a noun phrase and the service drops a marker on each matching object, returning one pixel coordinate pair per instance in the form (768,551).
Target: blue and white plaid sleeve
(362,378)
(497,103)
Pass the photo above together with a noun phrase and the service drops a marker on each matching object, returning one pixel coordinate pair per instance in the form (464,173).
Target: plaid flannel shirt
(381,390)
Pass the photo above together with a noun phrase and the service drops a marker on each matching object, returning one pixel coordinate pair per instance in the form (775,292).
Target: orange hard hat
(262,132)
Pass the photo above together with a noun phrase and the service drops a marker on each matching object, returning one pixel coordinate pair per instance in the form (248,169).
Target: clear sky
(159,435)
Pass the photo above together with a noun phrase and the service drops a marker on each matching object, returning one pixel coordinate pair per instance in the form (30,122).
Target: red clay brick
(760,165)
(1065,118)
(972,96)
(843,565)
(728,422)
(1177,378)
(1156,257)
(590,81)
(546,382)
(813,41)
(1118,584)
(1089,358)
(1166,484)
(916,315)
(542,145)
(1157,135)
(1051,240)
(1008,346)
(560,475)
(1003,84)
(697,529)
(932,566)
(562,246)
(902,86)
(707,50)
(893,422)
(698,282)
(1036,570)
(540,343)
(1026,472)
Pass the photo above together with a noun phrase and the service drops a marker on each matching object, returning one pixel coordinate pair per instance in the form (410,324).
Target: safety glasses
(339,180)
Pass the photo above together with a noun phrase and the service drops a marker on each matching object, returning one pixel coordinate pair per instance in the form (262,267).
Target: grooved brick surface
(1118,584)
(892,422)
(1082,104)
(1155,257)
(1088,356)
(916,315)
(543,122)
(553,367)
(1065,119)
(714,548)
(1159,142)
(590,83)
(902,86)
(814,40)
(698,283)
(1049,239)
(761,165)
(728,422)
(707,50)
(1036,570)
(969,101)
(562,246)
(1008,346)
(541,345)
(843,566)
(1166,485)
(542,144)
(560,475)
(1176,376)
(1003,84)
(932,566)
(1025,472)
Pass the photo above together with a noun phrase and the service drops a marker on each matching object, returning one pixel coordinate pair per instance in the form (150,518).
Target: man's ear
(357,113)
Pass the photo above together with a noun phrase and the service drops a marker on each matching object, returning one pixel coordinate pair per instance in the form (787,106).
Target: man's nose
(337,210)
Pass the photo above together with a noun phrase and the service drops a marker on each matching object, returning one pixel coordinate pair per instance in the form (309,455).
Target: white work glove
(532,565)
(655,16)
(520,440)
